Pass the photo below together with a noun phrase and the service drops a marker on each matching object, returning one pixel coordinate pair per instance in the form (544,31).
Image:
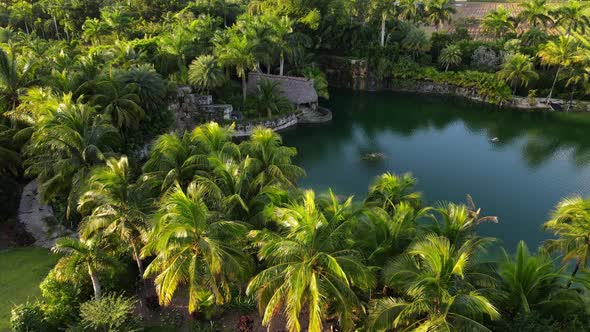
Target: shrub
(110,313)
(27,317)
(485,59)
(61,301)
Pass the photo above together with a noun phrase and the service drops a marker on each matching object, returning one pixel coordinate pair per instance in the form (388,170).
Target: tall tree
(236,52)
(63,150)
(195,248)
(116,205)
(498,22)
(309,266)
(570,221)
(438,12)
(272,162)
(535,13)
(83,255)
(13,77)
(572,16)
(269,98)
(558,53)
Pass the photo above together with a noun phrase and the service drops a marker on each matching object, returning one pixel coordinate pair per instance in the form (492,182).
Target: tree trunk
(282,64)
(95,283)
(139,266)
(27,27)
(56,29)
(569,105)
(447,68)
(574,272)
(244,87)
(268,69)
(383,21)
(553,85)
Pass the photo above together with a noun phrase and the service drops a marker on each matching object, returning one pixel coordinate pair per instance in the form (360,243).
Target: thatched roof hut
(299,90)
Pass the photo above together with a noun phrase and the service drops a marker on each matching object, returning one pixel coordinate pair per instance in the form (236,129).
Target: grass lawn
(21,271)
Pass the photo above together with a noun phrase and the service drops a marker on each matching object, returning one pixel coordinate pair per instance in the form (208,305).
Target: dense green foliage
(84,92)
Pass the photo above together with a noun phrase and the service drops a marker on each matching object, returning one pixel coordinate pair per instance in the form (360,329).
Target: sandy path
(33,214)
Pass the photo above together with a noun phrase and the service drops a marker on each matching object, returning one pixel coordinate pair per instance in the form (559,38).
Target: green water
(445,143)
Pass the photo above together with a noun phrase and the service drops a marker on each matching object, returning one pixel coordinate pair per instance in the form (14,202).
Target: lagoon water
(446,144)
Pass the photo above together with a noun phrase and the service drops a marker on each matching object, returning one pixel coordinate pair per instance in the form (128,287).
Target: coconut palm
(457,222)
(116,205)
(178,158)
(119,101)
(450,56)
(518,70)
(572,16)
(389,190)
(407,10)
(271,160)
(13,77)
(93,28)
(236,52)
(535,13)
(498,22)
(578,74)
(440,286)
(570,221)
(558,53)
(438,12)
(83,256)
(309,266)
(269,98)
(63,149)
(383,11)
(194,248)
(205,74)
(281,30)
(382,235)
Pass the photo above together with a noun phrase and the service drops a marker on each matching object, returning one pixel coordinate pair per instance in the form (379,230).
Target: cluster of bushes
(486,85)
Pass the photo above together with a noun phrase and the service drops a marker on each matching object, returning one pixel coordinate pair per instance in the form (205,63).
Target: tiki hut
(298,90)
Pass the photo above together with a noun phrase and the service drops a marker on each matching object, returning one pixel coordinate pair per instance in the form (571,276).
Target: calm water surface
(445,143)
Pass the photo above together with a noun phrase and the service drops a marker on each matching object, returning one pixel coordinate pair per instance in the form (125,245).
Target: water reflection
(538,158)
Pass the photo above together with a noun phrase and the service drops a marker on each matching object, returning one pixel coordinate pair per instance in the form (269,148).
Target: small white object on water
(494,140)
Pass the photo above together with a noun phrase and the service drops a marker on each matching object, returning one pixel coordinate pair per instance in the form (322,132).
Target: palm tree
(236,52)
(270,98)
(10,158)
(116,205)
(572,16)
(407,10)
(457,222)
(535,13)
(498,22)
(440,286)
(119,101)
(93,28)
(309,268)
(193,247)
(83,256)
(558,53)
(578,74)
(205,74)
(389,190)
(382,235)
(271,161)
(570,221)
(531,282)
(438,12)
(450,56)
(13,77)
(518,70)
(382,10)
(63,149)
(175,158)
(148,85)
(281,30)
